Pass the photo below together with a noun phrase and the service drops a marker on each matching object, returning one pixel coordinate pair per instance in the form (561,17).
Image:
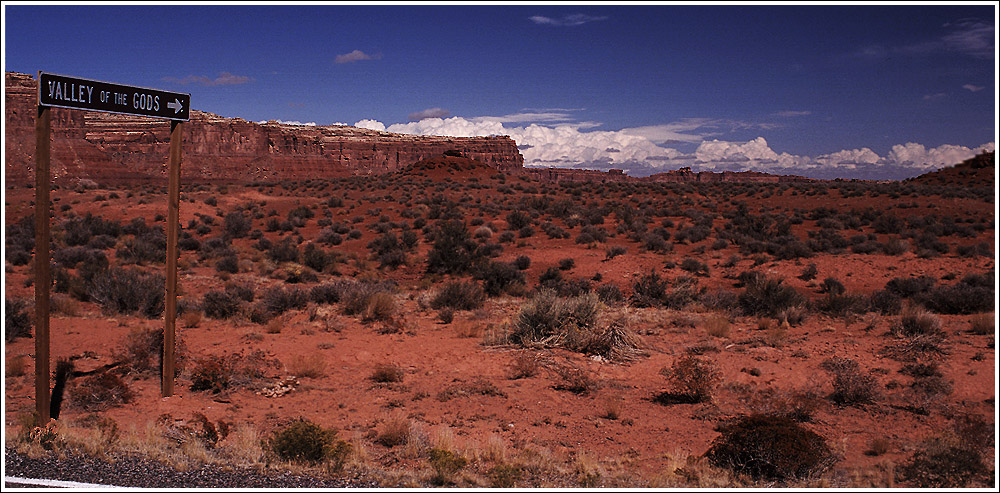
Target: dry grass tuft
(308,366)
(716,326)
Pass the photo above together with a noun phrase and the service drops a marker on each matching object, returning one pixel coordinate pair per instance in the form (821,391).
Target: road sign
(85,94)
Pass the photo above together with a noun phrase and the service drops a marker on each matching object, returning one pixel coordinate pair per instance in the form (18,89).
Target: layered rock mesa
(111,147)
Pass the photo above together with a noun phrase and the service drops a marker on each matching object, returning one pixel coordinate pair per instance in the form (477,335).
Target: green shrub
(459,295)
(770,447)
(17,320)
(649,290)
(498,277)
(944,467)
(304,441)
(446,464)
(504,475)
(220,304)
(128,291)
(767,296)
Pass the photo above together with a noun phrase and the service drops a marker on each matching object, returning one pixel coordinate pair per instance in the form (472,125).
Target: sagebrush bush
(767,296)
(691,380)
(770,447)
(944,466)
(305,441)
(958,299)
(649,290)
(220,304)
(17,320)
(211,373)
(129,292)
(459,295)
(100,392)
(446,464)
(850,385)
(547,319)
(387,373)
(499,277)
(915,321)
(280,299)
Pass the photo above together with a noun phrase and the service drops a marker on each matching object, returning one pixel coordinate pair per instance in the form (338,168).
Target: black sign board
(85,94)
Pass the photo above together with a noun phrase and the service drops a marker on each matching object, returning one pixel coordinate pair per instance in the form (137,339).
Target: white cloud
(371,125)
(935,96)
(972,88)
(566,20)
(568,145)
(355,56)
(675,131)
(429,113)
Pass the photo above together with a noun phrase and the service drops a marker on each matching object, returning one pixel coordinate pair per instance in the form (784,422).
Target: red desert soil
(458,391)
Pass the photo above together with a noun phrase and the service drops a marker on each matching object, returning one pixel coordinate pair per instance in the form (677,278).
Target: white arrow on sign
(176,106)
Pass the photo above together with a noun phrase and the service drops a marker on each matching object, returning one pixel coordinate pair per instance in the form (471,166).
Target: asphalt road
(145,473)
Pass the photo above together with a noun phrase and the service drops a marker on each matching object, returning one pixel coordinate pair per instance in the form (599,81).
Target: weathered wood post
(42,276)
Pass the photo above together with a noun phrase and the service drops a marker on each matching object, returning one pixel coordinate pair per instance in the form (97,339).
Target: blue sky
(827,91)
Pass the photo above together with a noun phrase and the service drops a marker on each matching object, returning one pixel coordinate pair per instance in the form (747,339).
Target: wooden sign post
(75,93)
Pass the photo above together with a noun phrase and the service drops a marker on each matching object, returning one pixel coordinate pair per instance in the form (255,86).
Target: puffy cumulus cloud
(913,155)
(371,125)
(429,113)
(355,56)
(566,20)
(569,146)
(224,79)
(849,159)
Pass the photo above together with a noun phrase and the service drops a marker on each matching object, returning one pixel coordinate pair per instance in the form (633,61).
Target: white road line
(52,483)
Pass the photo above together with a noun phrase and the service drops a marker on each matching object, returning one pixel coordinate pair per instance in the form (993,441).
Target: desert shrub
(526,232)
(498,277)
(524,365)
(546,319)
(387,373)
(767,296)
(567,264)
(453,251)
(284,251)
(211,373)
(358,298)
(612,340)
(694,266)
(591,234)
(850,386)
(809,273)
(574,379)
(839,305)
(915,321)
(459,295)
(615,251)
(80,230)
(885,302)
(522,262)
(691,380)
(770,447)
(220,304)
(307,366)
(100,392)
(609,294)
(649,290)
(716,326)
(128,291)
(908,287)
(958,299)
(982,324)
(305,441)
(942,465)
(517,220)
(17,320)
(831,285)
(446,464)
(720,299)
(504,475)
(315,257)
(395,431)
(326,293)
(237,224)
(229,263)
(150,248)
(280,299)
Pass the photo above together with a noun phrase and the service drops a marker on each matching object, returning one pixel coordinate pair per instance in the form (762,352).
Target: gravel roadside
(144,473)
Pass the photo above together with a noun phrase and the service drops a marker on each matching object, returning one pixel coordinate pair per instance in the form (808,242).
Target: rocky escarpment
(112,147)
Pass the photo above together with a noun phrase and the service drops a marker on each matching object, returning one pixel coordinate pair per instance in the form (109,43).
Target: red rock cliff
(110,147)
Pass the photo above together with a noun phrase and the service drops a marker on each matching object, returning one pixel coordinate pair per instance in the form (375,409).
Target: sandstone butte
(108,147)
(111,147)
